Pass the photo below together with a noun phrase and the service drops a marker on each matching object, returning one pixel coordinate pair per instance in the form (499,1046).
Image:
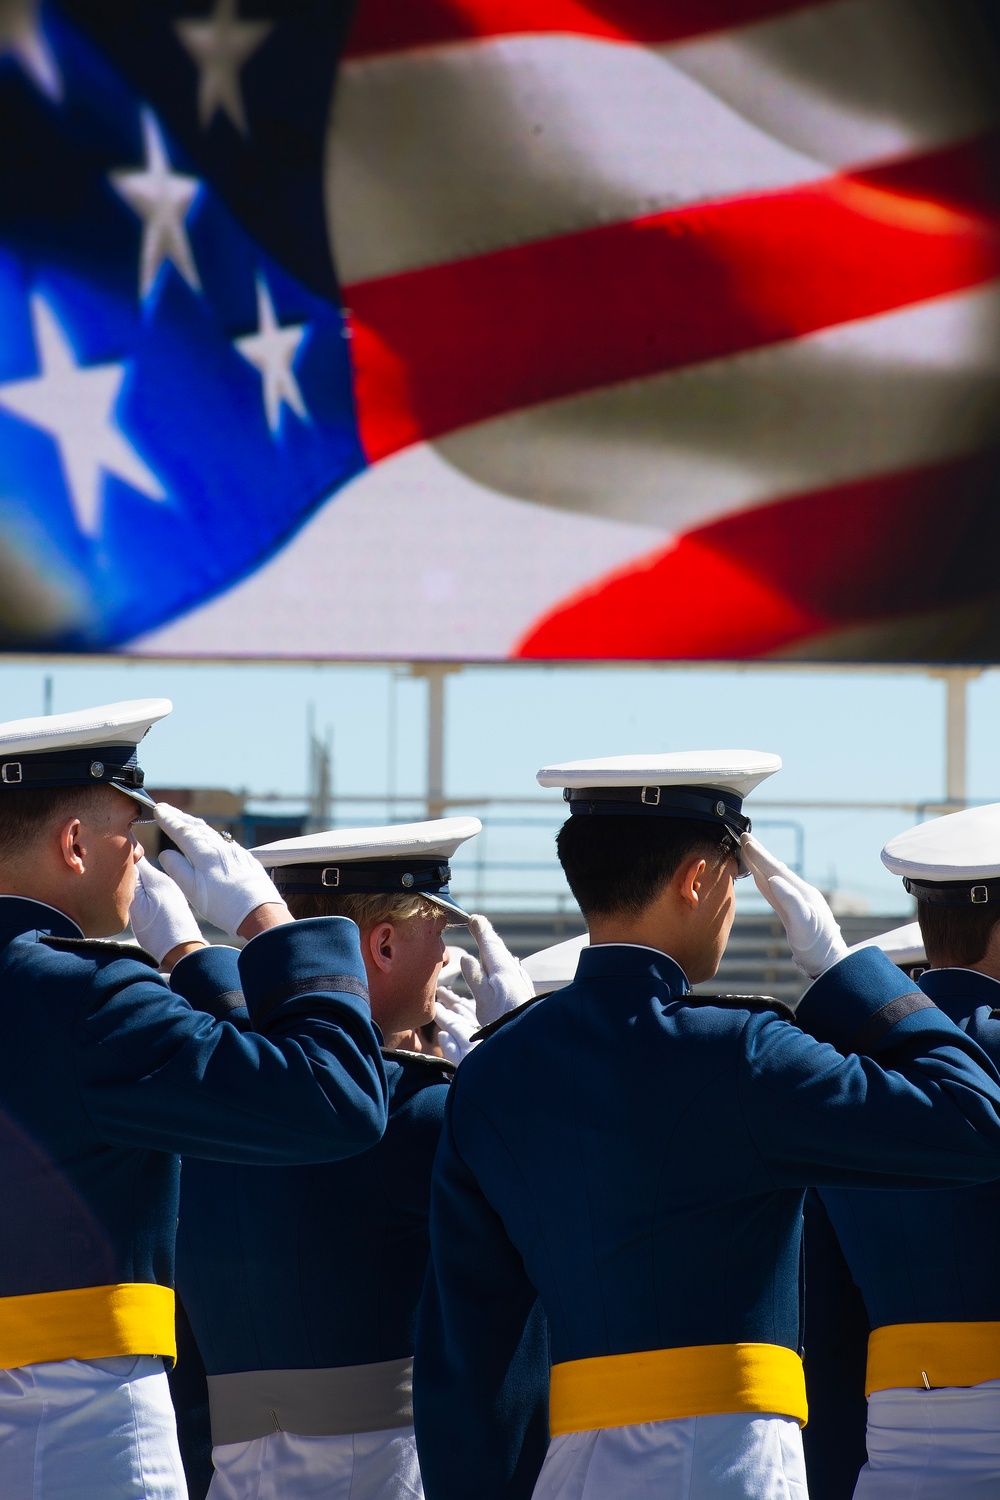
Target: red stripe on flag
(394,25)
(758,582)
(442,347)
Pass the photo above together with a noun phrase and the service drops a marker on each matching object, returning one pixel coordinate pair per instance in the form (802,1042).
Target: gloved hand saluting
(219,878)
(457,1023)
(161,918)
(811,928)
(498,983)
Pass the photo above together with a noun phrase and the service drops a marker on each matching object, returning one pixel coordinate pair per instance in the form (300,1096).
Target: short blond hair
(367,910)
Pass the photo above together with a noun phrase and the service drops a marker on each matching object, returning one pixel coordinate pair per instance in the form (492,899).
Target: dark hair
(616,866)
(367,910)
(28,812)
(956,936)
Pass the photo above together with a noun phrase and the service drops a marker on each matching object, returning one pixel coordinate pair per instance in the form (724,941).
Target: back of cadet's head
(617,866)
(956,936)
(29,814)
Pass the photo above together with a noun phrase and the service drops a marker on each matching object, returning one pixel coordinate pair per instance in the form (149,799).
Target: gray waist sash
(314,1403)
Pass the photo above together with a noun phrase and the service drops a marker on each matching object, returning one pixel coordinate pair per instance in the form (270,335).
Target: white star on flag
(272,350)
(75,404)
(162,199)
(21,36)
(220,46)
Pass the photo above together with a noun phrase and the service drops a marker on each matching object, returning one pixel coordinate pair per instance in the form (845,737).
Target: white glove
(811,928)
(499,983)
(160,917)
(457,1024)
(219,878)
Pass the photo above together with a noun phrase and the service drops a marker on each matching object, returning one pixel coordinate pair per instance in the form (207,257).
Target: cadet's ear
(381,945)
(70,844)
(687,881)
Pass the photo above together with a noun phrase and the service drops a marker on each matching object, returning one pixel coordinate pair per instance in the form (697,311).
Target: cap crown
(552,968)
(737,771)
(904,945)
(110,724)
(960,846)
(436,837)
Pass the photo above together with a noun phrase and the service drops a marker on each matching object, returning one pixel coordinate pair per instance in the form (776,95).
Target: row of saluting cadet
(544,1241)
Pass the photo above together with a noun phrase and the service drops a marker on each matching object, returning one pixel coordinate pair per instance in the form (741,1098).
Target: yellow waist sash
(929,1355)
(90,1322)
(658,1385)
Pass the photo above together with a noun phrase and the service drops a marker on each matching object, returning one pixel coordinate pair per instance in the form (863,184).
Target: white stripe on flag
(855,82)
(411,559)
(895,392)
(447,152)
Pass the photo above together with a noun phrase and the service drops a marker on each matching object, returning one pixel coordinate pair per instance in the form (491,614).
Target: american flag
(673,328)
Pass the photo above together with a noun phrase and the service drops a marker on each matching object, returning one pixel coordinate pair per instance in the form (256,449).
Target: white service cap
(394,859)
(706,785)
(553,968)
(89,747)
(904,945)
(950,861)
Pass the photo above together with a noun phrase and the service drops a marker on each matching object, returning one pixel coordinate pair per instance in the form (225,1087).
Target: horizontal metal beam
(933,805)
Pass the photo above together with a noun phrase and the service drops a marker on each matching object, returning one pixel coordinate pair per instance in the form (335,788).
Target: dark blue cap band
(954,892)
(701,804)
(366,877)
(87,765)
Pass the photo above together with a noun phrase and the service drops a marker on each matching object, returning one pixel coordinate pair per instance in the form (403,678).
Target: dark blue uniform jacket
(317,1266)
(106,1076)
(930,1259)
(835,1332)
(622,1168)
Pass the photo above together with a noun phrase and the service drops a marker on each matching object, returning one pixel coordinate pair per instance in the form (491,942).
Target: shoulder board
(426,1060)
(494,1026)
(743,1002)
(99,948)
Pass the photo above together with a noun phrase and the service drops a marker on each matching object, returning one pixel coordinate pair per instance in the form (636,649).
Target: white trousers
(933,1445)
(350,1466)
(99,1429)
(731,1457)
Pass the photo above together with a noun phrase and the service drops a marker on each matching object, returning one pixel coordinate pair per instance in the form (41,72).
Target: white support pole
(956,731)
(956,684)
(436,674)
(435,740)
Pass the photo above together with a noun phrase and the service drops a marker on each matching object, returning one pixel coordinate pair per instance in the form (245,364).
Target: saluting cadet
(927,1264)
(105,1075)
(612,1302)
(302,1285)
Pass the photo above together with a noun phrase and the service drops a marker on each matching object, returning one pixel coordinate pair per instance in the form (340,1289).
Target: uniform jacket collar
(19,914)
(959,992)
(631,960)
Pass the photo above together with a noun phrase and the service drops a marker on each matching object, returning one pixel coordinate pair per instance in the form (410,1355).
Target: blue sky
(866,736)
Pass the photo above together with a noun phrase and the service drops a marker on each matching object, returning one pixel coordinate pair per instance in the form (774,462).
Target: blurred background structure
(268,751)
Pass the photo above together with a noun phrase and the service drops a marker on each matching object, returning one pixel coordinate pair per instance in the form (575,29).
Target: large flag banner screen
(499,329)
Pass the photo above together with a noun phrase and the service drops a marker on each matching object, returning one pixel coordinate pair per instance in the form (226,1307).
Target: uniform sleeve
(209,980)
(155,1073)
(886,1092)
(481,1369)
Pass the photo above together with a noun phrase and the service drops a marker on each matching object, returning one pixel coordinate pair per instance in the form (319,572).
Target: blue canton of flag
(175,389)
